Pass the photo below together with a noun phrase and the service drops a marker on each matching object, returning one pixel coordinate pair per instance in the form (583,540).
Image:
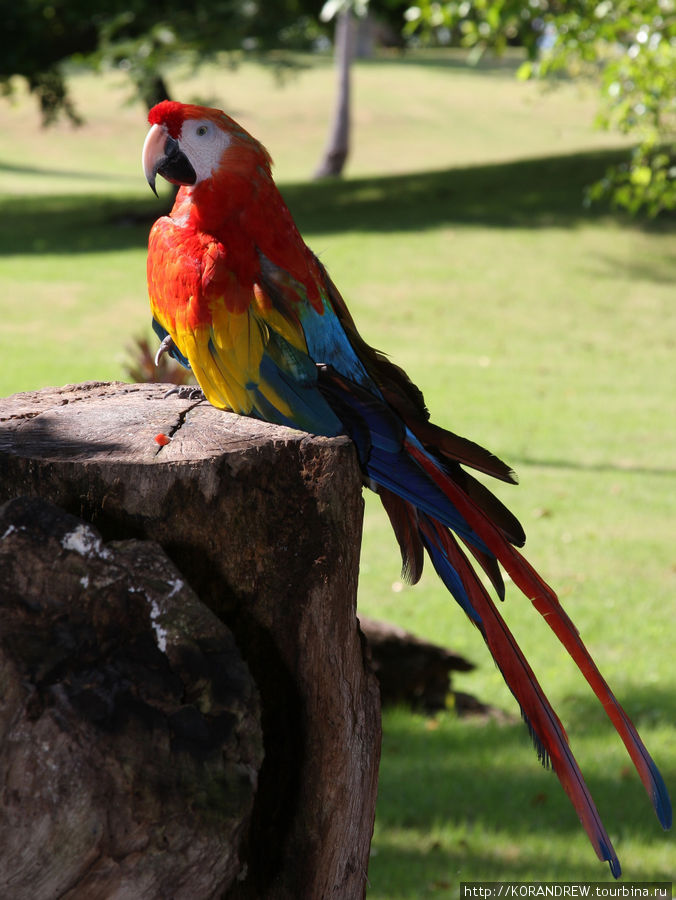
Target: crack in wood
(180,421)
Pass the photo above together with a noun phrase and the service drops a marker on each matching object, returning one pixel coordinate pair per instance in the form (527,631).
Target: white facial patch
(204,144)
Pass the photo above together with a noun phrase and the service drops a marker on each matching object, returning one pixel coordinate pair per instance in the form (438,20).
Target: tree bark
(153,88)
(131,739)
(264,523)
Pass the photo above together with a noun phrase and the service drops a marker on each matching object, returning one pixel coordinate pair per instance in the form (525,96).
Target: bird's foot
(186,392)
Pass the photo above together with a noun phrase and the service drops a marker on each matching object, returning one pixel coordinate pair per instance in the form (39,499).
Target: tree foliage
(141,36)
(37,36)
(628,47)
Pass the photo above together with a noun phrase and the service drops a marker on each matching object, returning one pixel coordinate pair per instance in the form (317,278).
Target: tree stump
(410,670)
(264,524)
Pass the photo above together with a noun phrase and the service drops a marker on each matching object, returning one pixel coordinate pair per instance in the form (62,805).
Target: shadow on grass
(453,774)
(519,461)
(487,64)
(530,193)
(657,271)
(533,193)
(12,169)
(472,787)
(73,224)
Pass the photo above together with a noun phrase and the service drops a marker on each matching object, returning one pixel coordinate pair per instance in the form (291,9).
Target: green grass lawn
(534,326)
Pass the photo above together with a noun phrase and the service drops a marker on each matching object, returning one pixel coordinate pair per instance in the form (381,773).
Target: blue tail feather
(450,578)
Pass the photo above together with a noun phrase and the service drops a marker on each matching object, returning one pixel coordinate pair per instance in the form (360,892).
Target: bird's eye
(202,130)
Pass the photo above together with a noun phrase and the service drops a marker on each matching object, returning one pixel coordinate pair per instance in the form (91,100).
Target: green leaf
(641,175)
(525,71)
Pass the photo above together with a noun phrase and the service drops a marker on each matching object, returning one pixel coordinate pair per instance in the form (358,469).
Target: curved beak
(162,155)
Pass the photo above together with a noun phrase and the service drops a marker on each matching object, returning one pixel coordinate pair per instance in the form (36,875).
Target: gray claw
(166,346)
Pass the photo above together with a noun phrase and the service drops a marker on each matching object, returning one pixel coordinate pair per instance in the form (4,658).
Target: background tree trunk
(338,146)
(153,88)
(264,523)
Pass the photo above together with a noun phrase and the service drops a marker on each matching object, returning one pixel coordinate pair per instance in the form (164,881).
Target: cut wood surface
(264,524)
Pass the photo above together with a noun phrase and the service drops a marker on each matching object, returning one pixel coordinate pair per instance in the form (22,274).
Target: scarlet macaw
(238,297)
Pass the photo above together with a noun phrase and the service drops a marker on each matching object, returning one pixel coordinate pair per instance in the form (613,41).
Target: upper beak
(162,154)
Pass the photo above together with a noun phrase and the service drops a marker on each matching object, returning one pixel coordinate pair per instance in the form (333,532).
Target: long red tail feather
(547,604)
(543,721)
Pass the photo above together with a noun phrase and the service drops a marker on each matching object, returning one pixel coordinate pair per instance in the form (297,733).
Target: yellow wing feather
(224,338)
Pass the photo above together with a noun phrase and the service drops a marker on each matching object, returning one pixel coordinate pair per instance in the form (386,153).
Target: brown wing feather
(403,517)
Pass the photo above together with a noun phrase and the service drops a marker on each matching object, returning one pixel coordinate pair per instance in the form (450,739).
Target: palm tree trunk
(338,145)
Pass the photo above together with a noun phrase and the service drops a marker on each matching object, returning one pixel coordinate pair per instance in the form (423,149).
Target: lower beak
(162,155)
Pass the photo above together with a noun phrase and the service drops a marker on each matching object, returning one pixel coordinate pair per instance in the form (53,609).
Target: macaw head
(189,145)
